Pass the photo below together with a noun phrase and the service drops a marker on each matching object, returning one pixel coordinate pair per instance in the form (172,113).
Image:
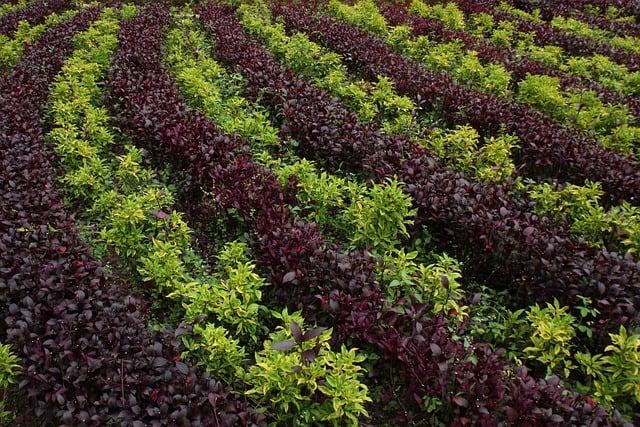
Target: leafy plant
(553,332)
(303,382)
(213,348)
(364,14)
(9,373)
(614,376)
(436,285)
(615,227)
(380,216)
(448,13)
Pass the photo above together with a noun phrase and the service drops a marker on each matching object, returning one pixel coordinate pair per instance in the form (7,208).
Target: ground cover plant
(319,213)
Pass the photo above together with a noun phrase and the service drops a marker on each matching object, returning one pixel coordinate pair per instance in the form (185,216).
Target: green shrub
(436,284)
(216,351)
(9,372)
(459,148)
(302,382)
(230,298)
(617,228)
(613,377)
(449,14)
(542,93)
(379,217)
(364,14)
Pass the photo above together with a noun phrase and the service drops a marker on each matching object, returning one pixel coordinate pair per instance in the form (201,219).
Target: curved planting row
(546,146)
(545,34)
(503,239)
(34,14)
(88,357)
(412,344)
(518,66)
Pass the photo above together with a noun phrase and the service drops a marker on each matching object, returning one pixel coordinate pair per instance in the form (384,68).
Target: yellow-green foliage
(436,284)
(364,14)
(216,351)
(449,13)
(542,93)
(10,7)
(548,55)
(11,48)
(321,196)
(618,227)
(230,298)
(481,24)
(9,373)
(379,217)
(551,338)
(462,150)
(575,26)
(374,215)
(580,108)
(463,65)
(303,382)
(613,378)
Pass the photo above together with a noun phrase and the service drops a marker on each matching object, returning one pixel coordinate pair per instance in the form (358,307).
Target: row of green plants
(551,340)
(11,48)
(483,25)
(10,7)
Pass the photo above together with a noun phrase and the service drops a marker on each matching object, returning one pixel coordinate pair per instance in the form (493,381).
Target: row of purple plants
(519,66)
(547,148)
(87,354)
(428,361)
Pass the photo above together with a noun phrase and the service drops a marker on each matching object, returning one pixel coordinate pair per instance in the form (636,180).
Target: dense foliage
(319,214)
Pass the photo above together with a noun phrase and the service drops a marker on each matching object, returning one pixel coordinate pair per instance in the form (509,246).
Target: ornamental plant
(9,374)
(303,382)
(616,227)
(379,217)
(11,48)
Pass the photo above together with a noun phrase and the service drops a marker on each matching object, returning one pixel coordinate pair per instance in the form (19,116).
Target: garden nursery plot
(320,213)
